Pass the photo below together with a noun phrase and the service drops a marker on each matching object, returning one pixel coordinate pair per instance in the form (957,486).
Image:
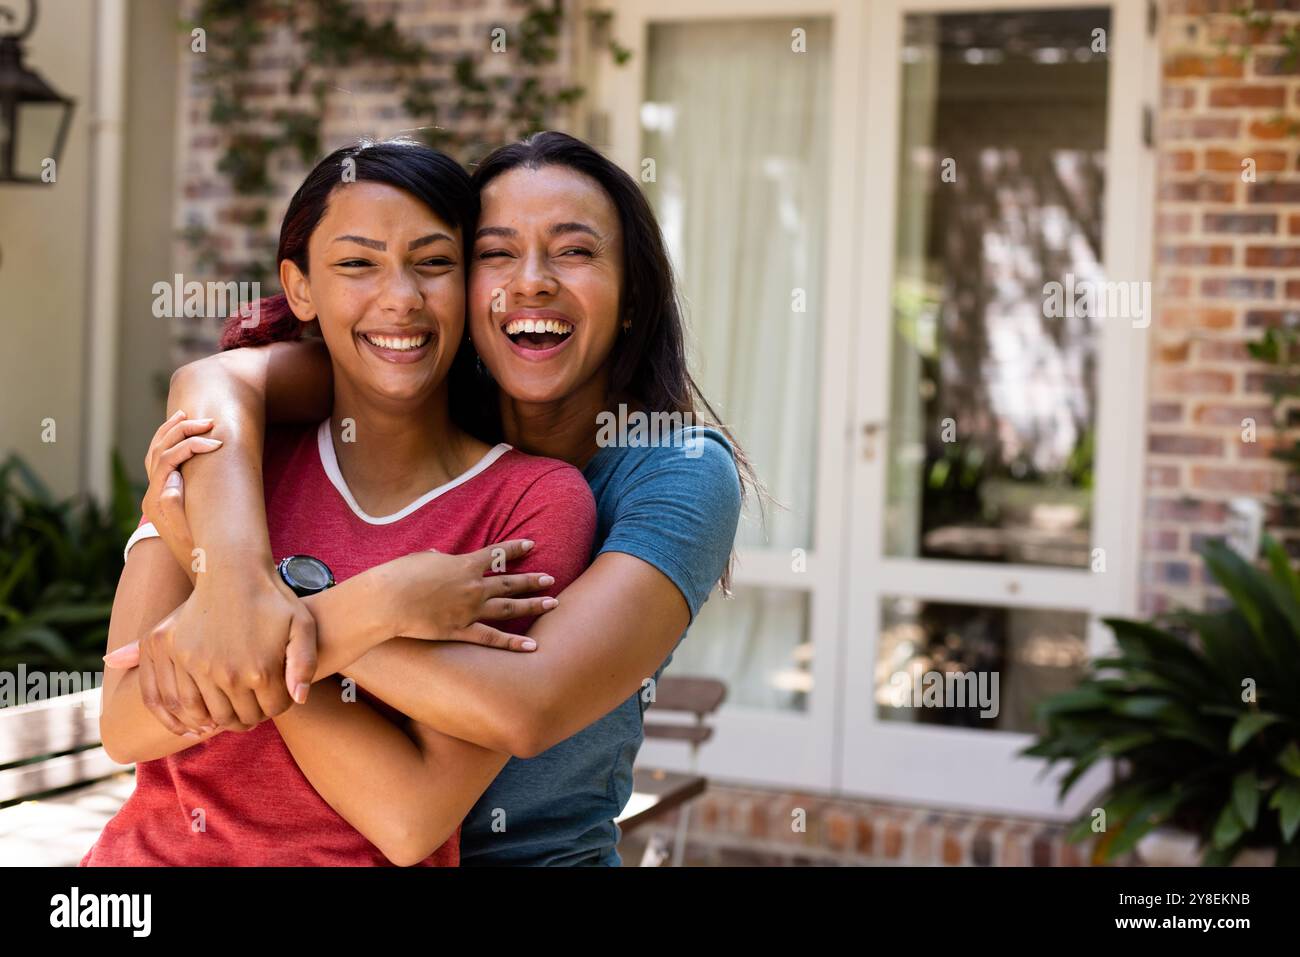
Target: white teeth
(399,343)
(557,326)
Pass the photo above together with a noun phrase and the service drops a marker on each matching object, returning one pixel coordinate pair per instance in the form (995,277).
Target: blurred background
(868,203)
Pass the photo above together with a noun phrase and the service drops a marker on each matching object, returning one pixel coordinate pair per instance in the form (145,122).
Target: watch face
(310,575)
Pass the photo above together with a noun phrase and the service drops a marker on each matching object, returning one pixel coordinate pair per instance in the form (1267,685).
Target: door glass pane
(993,395)
(736,125)
(975,666)
(758,643)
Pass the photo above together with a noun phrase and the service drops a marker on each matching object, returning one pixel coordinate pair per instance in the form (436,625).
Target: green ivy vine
(332,36)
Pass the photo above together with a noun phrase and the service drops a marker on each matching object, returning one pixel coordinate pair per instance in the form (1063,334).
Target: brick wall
(369,107)
(740,826)
(1227,267)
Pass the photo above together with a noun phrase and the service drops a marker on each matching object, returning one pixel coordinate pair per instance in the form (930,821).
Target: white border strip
(325,446)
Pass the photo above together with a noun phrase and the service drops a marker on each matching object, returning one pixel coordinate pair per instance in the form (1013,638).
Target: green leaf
(1228,828)
(72,614)
(1142,706)
(1256,596)
(38,636)
(1280,564)
(1247,726)
(17,571)
(1286,801)
(1155,812)
(1127,742)
(1220,856)
(1289,759)
(1246,797)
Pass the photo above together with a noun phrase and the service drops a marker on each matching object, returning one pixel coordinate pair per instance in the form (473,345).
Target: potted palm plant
(1201,715)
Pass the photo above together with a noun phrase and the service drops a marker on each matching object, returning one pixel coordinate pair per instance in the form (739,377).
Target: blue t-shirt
(675,507)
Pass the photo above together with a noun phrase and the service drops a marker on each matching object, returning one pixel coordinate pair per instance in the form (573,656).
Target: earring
(627,325)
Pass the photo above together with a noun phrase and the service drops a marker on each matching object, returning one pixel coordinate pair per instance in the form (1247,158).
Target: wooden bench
(58,787)
(656,792)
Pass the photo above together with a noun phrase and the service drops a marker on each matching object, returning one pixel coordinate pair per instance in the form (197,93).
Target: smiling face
(385,279)
(545,280)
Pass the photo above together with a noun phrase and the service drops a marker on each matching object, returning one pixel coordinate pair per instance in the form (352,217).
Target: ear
(297,290)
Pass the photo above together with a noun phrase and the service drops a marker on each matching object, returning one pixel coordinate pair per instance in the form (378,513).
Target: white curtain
(736,121)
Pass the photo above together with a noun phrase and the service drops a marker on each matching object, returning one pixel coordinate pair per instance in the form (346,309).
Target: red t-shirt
(257,808)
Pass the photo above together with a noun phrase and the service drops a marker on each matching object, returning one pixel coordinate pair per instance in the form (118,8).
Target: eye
(354,263)
(579,251)
(437,261)
(493,254)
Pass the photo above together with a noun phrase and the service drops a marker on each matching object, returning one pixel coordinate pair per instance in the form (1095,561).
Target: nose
(400,293)
(535,277)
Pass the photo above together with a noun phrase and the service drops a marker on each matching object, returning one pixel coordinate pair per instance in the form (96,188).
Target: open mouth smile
(539,335)
(410,347)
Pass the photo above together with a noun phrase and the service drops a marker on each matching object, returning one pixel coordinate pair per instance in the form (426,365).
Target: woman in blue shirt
(573,326)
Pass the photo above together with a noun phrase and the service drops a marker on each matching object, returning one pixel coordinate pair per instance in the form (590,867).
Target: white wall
(43,250)
(144,360)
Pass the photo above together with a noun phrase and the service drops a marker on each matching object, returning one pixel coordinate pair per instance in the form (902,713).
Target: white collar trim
(330,462)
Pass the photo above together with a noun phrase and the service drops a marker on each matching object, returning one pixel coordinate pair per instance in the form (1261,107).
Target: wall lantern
(34,117)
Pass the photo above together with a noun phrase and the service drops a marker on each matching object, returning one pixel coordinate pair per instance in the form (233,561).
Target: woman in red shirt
(371,248)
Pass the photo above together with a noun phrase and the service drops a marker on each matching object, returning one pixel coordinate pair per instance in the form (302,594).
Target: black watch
(305,575)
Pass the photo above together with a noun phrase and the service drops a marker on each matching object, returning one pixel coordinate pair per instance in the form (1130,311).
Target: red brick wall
(1227,267)
(741,826)
(370,107)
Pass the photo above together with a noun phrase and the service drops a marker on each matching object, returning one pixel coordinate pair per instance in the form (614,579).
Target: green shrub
(59,566)
(1205,732)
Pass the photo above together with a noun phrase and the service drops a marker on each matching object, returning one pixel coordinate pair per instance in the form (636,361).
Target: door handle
(869,432)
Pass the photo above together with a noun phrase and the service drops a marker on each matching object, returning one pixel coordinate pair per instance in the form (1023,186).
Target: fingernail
(190,734)
(173,480)
(201,421)
(528,644)
(209,728)
(527,544)
(179,413)
(546,581)
(300,692)
(212,442)
(549,603)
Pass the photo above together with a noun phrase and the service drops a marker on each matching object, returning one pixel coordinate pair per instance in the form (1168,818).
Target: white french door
(746,111)
(862,200)
(996,466)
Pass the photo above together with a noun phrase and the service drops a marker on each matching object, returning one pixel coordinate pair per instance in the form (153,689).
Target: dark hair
(649,359)
(433,178)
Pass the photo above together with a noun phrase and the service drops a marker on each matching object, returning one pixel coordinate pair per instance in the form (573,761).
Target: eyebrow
(555,230)
(382,246)
(559,228)
(362,241)
(425,240)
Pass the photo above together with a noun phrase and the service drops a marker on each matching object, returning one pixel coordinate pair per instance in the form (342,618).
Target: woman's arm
(674,522)
(406,790)
(151,587)
(613,628)
(238,390)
